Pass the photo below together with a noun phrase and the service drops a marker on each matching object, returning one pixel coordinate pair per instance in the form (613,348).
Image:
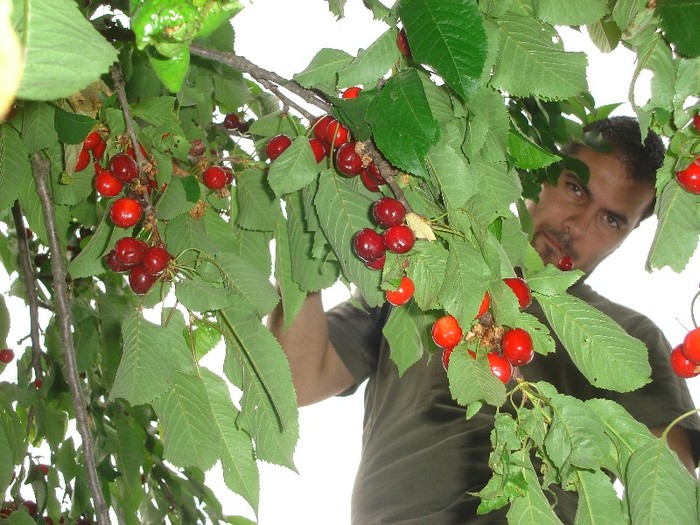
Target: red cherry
(368,245)
(130,150)
(318,148)
(352,92)
(123,167)
(99,149)
(320,126)
(691,345)
(125,212)
(83,160)
(565,263)
(130,251)
(31,506)
(107,184)
(277,145)
(399,239)
(371,177)
(402,43)
(43,468)
(337,133)
(446,353)
(232,121)
(388,212)
(402,294)
(115,264)
(38,383)
(696,121)
(229,175)
(214,178)
(681,365)
(446,332)
(6,355)
(376,264)
(485,303)
(520,289)
(93,139)
(500,366)
(347,160)
(689,178)
(517,347)
(156,259)
(140,280)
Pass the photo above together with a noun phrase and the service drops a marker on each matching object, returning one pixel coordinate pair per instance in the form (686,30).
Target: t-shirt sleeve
(355,331)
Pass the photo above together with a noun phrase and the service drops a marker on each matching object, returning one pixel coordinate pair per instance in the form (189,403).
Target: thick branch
(261,75)
(40,171)
(30,285)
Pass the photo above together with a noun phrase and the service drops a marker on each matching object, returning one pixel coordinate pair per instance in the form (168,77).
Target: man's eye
(575,188)
(612,221)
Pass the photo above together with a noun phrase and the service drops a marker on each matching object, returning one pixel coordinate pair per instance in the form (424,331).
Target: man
(420,457)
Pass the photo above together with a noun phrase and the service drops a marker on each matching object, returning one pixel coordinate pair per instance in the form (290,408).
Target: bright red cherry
(402,294)
(388,212)
(93,139)
(399,238)
(337,133)
(689,178)
(446,353)
(352,92)
(83,160)
(43,468)
(318,148)
(99,149)
(691,345)
(277,145)
(125,212)
(681,365)
(446,332)
(115,264)
(31,506)
(376,264)
(214,178)
(6,355)
(500,366)
(232,121)
(347,160)
(565,263)
(371,177)
(155,259)
(368,245)
(520,289)
(107,184)
(696,121)
(130,251)
(402,43)
(140,280)
(485,303)
(320,126)
(517,346)
(123,167)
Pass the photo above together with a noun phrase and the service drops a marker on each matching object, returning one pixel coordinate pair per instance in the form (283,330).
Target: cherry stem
(692,308)
(41,170)
(678,420)
(388,173)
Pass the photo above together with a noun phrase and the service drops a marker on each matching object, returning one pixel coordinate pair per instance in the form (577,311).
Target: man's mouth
(557,247)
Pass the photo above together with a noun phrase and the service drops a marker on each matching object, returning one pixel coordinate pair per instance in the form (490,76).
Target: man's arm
(317,370)
(679,441)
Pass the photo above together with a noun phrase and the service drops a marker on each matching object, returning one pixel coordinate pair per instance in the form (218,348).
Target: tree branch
(61,297)
(388,173)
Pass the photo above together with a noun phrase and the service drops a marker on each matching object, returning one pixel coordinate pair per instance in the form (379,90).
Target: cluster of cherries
(371,246)
(516,347)
(145,264)
(217,177)
(685,358)
(689,178)
(233,122)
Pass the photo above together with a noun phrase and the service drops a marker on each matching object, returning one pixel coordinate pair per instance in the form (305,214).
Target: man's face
(587,223)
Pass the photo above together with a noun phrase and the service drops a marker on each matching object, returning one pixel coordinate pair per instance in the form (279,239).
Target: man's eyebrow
(618,216)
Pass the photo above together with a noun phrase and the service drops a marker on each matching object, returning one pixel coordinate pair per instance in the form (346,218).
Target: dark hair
(622,136)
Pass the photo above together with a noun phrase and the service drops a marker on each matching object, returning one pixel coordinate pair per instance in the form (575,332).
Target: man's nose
(577,222)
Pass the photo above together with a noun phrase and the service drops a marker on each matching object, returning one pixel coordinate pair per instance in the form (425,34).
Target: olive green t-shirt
(421,457)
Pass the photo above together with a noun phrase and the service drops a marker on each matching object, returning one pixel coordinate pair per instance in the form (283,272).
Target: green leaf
(533,508)
(150,360)
(290,291)
(529,64)
(174,201)
(294,169)
(598,502)
(598,346)
(454,174)
(570,12)
(258,207)
(184,232)
(552,281)
(38,131)
(372,63)
(403,124)
(659,488)
(15,168)
(189,429)
(157,111)
(89,260)
(471,379)
(679,20)
(200,296)
(448,35)
(499,187)
(248,281)
(427,271)
(323,69)
(406,333)
(55,60)
(488,126)
(342,212)
(527,154)
(172,71)
(72,128)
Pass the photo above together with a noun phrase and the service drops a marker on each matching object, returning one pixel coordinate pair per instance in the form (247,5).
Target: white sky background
(283,36)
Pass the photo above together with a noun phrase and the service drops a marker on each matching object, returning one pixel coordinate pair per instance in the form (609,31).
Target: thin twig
(40,171)
(388,172)
(30,285)
(286,100)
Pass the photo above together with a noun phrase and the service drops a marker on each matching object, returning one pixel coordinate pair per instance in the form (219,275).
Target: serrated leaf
(403,124)
(372,63)
(174,201)
(427,271)
(598,346)
(258,207)
(449,35)
(499,187)
(38,130)
(553,281)
(598,502)
(542,340)
(323,69)
(533,508)
(294,169)
(248,281)
(189,430)
(170,70)
(15,167)
(659,488)
(89,260)
(455,176)
(55,60)
(72,128)
(529,64)
(570,12)
(488,126)
(679,21)
(527,154)
(158,111)
(199,296)
(625,11)
(471,380)
(406,334)
(342,212)
(183,232)
(291,293)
